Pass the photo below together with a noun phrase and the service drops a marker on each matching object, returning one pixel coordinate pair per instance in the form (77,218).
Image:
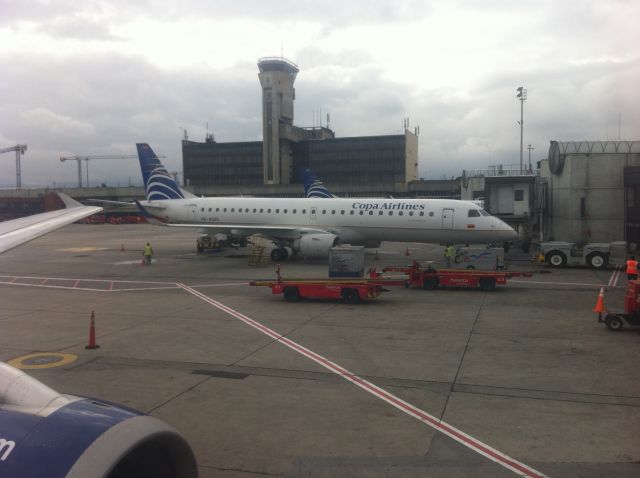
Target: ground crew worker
(449,252)
(632,268)
(147,253)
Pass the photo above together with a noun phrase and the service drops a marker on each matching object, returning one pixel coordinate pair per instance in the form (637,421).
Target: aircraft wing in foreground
(45,433)
(18,231)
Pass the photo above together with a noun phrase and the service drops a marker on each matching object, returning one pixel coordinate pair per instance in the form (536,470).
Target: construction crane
(79,159)
(19,149)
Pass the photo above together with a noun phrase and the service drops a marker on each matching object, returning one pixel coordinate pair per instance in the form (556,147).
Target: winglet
(68,201)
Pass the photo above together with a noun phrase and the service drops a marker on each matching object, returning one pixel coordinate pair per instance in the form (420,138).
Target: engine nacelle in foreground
(315,245)
(44,433)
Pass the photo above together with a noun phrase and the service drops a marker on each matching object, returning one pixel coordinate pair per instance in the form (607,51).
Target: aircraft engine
(44,433)
(315,245)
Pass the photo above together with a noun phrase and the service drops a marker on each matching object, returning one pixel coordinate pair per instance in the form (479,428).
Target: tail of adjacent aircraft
(158,183)
(313,187)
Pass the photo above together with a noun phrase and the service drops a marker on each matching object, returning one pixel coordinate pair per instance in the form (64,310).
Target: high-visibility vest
(632,266)
(148,251)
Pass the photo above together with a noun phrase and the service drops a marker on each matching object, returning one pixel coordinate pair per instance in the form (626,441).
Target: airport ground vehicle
(430,278)
(352,291)
(595,254)
(631,315)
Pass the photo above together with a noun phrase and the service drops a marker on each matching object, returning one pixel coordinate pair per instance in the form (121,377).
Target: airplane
(45,433)
(312,226)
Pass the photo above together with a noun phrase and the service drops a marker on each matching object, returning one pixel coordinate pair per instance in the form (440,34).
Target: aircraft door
(447,218)
(191,212)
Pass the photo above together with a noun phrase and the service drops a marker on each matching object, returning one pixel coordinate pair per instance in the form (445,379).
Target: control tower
(276,76)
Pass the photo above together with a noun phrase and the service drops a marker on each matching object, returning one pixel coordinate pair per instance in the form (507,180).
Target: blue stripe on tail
(158,183)
(313,187)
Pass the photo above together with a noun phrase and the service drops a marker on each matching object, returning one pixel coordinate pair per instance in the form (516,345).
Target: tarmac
(520,381)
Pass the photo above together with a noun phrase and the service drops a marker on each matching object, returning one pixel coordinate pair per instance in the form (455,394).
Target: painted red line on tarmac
(44,281)
(76,284)
(110,285)
(458,435)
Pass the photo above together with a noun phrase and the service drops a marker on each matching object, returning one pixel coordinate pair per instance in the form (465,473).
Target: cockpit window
(473,213)
(484,213)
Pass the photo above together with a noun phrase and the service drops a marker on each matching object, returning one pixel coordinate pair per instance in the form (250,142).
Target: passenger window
(201,209)
(422,213)
(246,210)
(209,209)
(390,213)
(293,212)
(333,211)
(370,213)
(431,213)
(410,213)
(351,212)
(254,210)
(361,213)
(400,213)
(224,210)
(473,213)
(304,211)
(324,211)
(261,210)
(269,211)
(284,211)
(233,209)
(342,212)
(277,211)
(217,209)
(380,213)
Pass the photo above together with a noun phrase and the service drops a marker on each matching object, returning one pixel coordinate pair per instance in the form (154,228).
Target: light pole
(522,96)
(530,148)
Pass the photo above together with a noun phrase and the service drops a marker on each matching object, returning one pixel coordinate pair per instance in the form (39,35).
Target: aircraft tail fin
(313,187)
(158,183)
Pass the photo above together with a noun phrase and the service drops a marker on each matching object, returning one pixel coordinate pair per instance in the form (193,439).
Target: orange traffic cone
(599,308)
(92,334)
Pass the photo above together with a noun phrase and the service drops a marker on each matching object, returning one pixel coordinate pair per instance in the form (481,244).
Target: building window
(518,195)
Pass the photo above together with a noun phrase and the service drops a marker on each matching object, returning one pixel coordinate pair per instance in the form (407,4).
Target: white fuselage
(353,220)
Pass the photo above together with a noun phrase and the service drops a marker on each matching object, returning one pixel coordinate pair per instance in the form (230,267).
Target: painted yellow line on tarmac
(42,360)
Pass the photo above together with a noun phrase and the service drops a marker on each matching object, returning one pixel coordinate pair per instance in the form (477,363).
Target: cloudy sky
(95,77)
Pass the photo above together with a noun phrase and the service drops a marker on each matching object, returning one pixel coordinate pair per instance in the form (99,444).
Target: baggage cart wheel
(614,322)
(487,284)
(291,294)
(430,283)
(350,296)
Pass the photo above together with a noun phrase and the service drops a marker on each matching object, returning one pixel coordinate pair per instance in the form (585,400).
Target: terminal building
(350,166)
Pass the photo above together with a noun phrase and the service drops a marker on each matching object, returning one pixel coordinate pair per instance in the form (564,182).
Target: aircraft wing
(18,231)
